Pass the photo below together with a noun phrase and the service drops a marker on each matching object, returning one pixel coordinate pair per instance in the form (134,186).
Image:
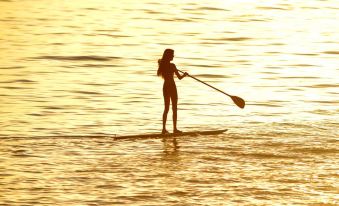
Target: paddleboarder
(167,70)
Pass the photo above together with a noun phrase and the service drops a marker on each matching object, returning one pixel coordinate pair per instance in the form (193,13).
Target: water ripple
(331,52)
(76,75)
(78,58)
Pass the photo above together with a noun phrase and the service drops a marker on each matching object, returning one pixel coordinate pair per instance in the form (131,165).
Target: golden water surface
(88,68)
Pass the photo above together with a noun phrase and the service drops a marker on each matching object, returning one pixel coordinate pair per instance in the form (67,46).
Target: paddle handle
(206,83)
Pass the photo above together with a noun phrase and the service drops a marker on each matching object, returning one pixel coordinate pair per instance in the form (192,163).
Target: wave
(211,76)
(87,92)
(52,107)
(231,39)
(14,67)
(263,155)
(272,8)
(77,58)
(324,86)
(212,8)
(306,54)
(316,150)
(20,81)
(205,65)
(115,35)
(328,102)
(98,65)
(331,52)
(265,104)
(295,77)
(15,87)
(303,65)
(324,112)
(177,20)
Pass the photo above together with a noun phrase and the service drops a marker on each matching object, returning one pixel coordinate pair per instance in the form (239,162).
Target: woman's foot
(176,131)
(164,131)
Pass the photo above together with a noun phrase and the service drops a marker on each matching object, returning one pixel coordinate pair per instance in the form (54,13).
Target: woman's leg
(166,109)
(174,100)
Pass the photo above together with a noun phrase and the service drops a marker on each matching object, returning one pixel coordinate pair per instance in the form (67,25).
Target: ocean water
(88,68)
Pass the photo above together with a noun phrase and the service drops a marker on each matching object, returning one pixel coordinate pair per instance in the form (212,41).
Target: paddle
(237,100)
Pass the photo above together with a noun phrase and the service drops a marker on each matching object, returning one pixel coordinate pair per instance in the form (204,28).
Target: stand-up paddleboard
(193,133)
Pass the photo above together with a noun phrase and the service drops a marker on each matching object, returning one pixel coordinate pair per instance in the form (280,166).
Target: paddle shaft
(206,84)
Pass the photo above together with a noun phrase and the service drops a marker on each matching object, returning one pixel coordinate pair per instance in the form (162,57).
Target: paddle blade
(238,101)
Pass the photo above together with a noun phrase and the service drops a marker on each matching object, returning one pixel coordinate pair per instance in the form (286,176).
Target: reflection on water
(89,68)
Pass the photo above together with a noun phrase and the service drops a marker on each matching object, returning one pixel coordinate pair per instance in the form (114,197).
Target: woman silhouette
(166,70)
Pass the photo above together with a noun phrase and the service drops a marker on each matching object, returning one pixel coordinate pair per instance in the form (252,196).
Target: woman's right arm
(178,74)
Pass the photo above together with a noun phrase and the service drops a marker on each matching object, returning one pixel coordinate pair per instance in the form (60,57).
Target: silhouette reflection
(170,144)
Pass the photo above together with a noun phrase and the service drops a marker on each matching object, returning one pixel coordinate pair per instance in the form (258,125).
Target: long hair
(165,60)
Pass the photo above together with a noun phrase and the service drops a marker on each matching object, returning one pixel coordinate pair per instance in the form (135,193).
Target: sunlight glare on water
(88,68)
